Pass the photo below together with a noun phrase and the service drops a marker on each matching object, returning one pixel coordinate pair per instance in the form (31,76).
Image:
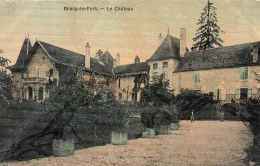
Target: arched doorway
(30,93)
(40,95)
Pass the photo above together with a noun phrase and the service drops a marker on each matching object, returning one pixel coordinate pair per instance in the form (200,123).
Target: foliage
(158,115)
(191,100)
(106,111)
(65,101)
(5,85)
(156,99)
(253,118)
(148,116)
(207,35)
(157,93)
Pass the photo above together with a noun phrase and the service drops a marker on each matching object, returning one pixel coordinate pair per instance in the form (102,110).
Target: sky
(128,33)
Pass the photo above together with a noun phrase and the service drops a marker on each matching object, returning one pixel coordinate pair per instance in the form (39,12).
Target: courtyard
(202,143)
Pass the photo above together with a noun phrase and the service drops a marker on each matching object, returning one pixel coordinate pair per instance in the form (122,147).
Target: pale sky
(129,33)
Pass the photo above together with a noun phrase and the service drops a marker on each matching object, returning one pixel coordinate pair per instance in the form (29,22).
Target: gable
(40,61)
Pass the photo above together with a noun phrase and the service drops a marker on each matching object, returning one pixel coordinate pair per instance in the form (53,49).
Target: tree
(157,93)
(5,84)
(191,100)
(207,35)
(156,99)
(65,101)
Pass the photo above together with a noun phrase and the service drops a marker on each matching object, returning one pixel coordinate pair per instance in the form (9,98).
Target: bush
(158,115)
(5,89)
(157,93)
(191,100)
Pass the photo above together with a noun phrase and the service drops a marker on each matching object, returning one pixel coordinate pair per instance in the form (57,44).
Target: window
(255,55)
(165,74)
(155,66)
(243,93)
(30,92)
(217,94)
(134,96)
(120,96)
(40,96)
(196,77)
(165,64)
(51,72)
(119,83)
(155,74)
(243,73)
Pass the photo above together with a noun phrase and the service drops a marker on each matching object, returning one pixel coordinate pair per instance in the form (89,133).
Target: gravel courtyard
(203,143)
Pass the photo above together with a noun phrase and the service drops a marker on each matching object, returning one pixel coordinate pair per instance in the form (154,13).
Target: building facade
(227,72)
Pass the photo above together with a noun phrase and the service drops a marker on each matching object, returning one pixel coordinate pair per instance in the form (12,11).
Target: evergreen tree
(207,35)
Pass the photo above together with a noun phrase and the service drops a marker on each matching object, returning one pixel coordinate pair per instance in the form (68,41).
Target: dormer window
(255,55)
(155,66)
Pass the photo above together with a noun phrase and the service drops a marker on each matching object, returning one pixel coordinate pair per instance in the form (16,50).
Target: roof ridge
(39,42)
(170,44)
(225,46)
(131,64)
(61,48)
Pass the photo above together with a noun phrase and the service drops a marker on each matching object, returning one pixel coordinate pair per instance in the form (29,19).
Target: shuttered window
(237,94)
(196,77)
(243,73)
(249,93)
(217,94)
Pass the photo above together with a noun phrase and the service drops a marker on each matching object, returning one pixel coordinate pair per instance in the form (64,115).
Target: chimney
(87,56)
(182,42)
(159,39)
(114,63)
(118,59)
(137,59)
(98,54)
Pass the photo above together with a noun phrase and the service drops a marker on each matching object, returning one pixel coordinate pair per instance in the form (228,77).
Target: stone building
(227,72)
(42,65)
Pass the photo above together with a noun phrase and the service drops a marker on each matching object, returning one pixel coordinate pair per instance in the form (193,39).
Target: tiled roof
(170,48)
(64,56)
(132,68)
(217,58)
(106,57)
(78,60)
(23,54)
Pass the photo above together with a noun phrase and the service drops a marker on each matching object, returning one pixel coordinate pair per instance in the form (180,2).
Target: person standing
(192,117)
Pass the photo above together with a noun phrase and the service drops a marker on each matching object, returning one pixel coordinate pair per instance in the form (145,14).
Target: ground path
(203,143)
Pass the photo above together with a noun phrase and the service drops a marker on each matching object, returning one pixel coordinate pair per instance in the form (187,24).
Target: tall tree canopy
(5,84)
(207,35)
